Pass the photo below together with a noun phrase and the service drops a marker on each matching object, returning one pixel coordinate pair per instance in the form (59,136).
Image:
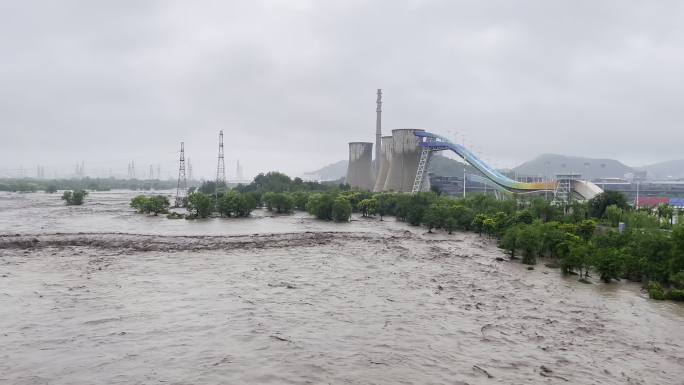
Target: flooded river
(100,295)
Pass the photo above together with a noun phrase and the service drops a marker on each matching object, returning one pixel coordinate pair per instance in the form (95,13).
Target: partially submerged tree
(74,198)
(200,204)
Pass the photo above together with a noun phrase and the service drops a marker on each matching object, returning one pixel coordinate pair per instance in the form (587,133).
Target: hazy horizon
(292,82)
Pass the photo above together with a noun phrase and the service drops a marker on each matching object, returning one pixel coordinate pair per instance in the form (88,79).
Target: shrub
(140,203)
(509,240)
(157,204)
(677,280)
(655,291)
(200,204)
(299,199)
(675,295)
(74,198)
(278,202)
(321,206)
(368,207)
(529,241)
(608,263)
(341,210)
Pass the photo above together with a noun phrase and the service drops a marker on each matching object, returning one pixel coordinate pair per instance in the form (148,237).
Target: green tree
(543,210)
(74,198)
(578,259)
(200,204)
(677,260)
(586,229)
(530,242)
(320,205)
(464,216)
(655,291)
(279,202)
(613,215)
(598,204)
(450,224)
(654,250)
(300,198)
(524,216)
(489,226)
(157,204)
(608,263)
(640,220)
(341,210)
(666,212)
(478,223)
(509,241)
(246,203)
(228,203)
(386,204)
(433,217)
(140,203)
(552,237)
(368,206)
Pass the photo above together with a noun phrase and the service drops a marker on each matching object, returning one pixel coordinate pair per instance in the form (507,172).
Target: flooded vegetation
(100,294)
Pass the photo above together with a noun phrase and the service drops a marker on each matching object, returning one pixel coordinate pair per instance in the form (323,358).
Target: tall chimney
(378,133)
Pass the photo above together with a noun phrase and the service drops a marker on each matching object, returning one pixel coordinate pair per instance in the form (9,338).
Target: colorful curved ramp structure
(433,142)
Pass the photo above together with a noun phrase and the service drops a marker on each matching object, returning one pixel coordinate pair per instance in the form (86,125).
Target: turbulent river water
(97,294)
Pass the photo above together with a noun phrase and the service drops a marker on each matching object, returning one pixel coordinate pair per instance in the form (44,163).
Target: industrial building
(403,160)
(359,173)
(383,163)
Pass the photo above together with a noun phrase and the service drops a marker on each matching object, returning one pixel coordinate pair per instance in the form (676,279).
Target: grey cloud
(291,82)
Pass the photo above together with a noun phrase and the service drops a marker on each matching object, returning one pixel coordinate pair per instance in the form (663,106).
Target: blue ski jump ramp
(434,142)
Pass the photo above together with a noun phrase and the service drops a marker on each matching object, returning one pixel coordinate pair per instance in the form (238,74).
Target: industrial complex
(402,160)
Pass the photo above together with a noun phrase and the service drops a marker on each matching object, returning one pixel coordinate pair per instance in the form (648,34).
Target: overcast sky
(291,82)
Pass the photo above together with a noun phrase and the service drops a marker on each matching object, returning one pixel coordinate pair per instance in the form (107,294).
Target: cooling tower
(384,159)
(405,155)
(359,168)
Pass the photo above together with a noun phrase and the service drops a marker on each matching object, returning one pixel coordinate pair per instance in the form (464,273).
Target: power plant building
(360,162)
(404,159)
(383,162)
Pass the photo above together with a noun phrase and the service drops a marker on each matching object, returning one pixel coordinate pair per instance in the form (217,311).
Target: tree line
(93,184)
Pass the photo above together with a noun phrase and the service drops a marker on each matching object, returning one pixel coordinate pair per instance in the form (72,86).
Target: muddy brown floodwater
(120,298)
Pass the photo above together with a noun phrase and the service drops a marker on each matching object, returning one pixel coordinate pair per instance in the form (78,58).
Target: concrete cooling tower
(403,160)
(359,168)
(384,159)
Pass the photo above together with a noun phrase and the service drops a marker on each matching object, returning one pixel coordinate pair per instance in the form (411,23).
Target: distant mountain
(332,171)
(672,169)
(443,166)
(552,164)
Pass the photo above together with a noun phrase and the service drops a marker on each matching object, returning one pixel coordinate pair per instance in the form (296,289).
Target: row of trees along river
(581,238)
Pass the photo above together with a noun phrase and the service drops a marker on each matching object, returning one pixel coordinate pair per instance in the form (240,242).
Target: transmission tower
(221,167)
(190,176)
(182,187)
(151,173)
